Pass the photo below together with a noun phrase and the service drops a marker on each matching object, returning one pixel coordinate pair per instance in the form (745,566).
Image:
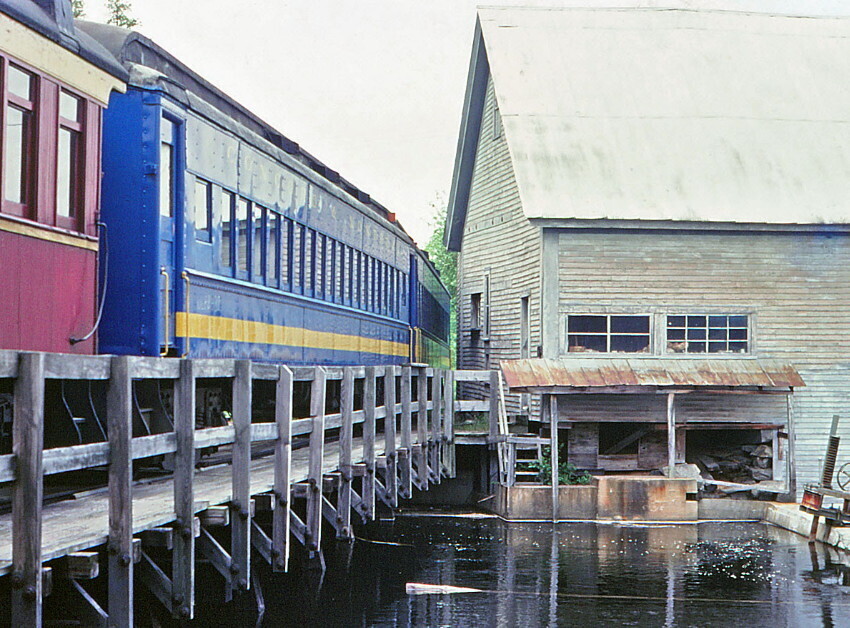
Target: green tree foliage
(446,263)
(78,8)
(119,14)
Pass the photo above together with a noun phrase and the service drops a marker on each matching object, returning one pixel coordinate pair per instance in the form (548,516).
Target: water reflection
(586,575)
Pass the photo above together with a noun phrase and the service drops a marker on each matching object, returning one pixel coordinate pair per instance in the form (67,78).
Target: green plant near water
(567,472)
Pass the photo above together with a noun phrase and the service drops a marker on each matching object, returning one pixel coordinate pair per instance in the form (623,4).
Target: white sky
(373,88)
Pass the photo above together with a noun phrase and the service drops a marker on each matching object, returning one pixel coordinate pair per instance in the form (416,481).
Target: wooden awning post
(553,428)
(671,435)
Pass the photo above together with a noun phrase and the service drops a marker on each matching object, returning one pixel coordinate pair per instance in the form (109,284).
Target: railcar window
(226,209)
(355,281)
(19,146)
(257,243)
(309,261)
(286,253)
(330,270)
(367,286)
(203,209)
(242,235)
(272,250)
(166,168)
(381,291)
(68,157)
(297,258)
(319,266)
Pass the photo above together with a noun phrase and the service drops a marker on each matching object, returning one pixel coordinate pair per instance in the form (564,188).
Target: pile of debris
(741,464)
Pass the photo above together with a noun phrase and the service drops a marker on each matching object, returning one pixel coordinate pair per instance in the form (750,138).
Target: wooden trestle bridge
(323,466)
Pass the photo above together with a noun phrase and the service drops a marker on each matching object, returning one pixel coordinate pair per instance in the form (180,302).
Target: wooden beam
(449,424)
(494,404)
(671,435)
(553,428)
(119,422)
(405,457)
(87,610)
(183,563)
(218,557)
(157,582)
(314,477)
(421,453)
(82,565)
(240,526)
(261,542)
(282,470)
(27,490)
(215,517)
(640,432)
(158,537)
(434,443)
(390,374)
(346,434)
(369,436)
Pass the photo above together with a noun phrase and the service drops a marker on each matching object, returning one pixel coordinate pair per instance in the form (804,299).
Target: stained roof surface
(582,373)
(684,115)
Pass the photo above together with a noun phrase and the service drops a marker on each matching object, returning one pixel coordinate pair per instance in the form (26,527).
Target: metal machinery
(813,495)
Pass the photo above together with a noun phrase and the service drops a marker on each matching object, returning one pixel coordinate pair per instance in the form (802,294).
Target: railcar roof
(665,114)
(53,20)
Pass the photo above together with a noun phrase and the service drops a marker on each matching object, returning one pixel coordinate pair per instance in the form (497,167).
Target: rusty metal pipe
(831,454)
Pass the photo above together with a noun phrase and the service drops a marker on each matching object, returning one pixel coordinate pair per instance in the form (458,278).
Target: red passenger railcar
(54,83)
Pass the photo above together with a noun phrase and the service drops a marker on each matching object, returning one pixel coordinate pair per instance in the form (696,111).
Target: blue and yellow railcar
(225,239)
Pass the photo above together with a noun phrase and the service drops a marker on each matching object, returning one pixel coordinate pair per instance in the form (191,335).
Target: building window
(20,142)
(203,209)
(166,168)
(608,333)
(708,333)
(475,311)
(69,160)
(524,329)
(272,250)
(242,232)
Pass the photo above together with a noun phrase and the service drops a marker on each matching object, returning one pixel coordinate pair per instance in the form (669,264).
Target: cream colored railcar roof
(682,115)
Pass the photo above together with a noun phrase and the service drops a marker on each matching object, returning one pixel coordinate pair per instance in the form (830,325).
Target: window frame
(78,176)
(608,334)
(30,149)
(728,314)
(208,186)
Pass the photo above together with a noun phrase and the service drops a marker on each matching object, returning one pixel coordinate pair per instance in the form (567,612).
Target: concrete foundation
(534,502)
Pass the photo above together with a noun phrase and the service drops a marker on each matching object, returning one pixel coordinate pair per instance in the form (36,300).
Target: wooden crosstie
(403,443)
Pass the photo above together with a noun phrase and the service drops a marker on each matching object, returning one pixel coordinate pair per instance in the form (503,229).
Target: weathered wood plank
(472,405)
(119,421)
(183,564)
(369,437)
(82,565)
(422,430)
(240,524)
(215,367)
(8,466)
(263,431)
(157,582)
(317,444)
(390,374)
(27,491)
(471,376)
(154,368)
(261,542)
(346,434)
(282,470)
(435,444)
(448,424)
(405,457)
(154,445)
(87,610)
(214,436)
(494,404)
(8,364)
(65,366)
(63,459)
(211,549)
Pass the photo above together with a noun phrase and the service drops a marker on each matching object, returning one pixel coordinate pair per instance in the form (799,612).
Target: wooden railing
(406,442)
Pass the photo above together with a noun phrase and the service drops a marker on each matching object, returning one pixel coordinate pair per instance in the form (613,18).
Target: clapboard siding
(498,240)
(795,286)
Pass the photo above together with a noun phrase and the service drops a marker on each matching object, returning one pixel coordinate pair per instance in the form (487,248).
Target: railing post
(422,428)
(436,424)
(406,487)
(346,434)
(494,405)
(317,450)
(120,546)
(27,490)
(240,526)
(449,423)
(390,434)
(183,567)
(369,429)
(282,470)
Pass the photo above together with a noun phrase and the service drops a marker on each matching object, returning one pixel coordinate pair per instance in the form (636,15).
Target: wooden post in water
(553,427)
(406,487)
(317,450)
(346,434)
(671,435)
(369,433)
(282,470)
(437,424)
(494,406)
(27,490)
(422,428)
(240,520)
(390,374)
(183,563)
(449,423)
(119,418)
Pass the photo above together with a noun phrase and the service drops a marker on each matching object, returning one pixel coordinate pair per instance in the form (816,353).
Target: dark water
(711,574)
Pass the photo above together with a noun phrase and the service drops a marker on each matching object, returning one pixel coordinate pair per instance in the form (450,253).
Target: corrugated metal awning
(644,374)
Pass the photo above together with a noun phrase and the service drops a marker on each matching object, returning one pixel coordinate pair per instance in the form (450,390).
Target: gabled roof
(647,114)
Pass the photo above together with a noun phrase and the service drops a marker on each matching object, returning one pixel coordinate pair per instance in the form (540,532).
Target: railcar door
(170,217)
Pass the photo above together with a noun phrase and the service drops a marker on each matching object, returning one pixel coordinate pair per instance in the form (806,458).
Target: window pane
(696,321)
(297,258)
(67,173)
(630,324)
(675,334)
(330,270)
(226,209)
(737,321)
(738,347)
(630,344)
(320,265)
(675,321)
(166,179)
(272,249)
(203,201)
(717,321)
(737,334)
(285,257)
(309,261)
(716,347)
(696,334)
(242,234)
(696,347)
(588,343)
(69,107)
(598,324)
(676,346)
(20,83)
(257,242)
(717,334)
(18,141)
